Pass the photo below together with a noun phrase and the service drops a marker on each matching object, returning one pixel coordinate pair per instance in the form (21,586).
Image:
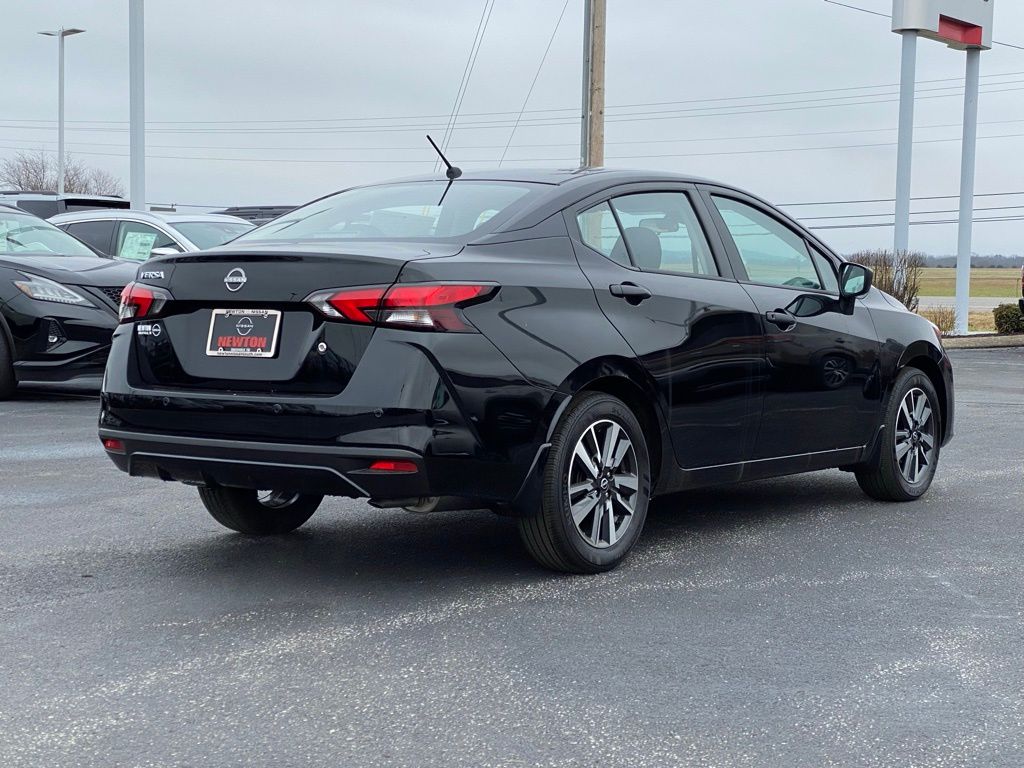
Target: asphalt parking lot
(784,623)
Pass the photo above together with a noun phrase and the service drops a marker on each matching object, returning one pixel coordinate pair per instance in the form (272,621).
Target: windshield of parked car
(411,211)
(208,234)
(23,233)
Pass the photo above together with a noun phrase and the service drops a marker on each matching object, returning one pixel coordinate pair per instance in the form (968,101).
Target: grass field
(993,283)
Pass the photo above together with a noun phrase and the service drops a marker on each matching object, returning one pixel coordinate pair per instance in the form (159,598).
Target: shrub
(896,273)
(1008,319)
(944,317)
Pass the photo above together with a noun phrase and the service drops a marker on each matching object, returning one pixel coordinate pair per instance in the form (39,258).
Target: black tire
(883,478)
(552,536)
(243,510)
(7,381)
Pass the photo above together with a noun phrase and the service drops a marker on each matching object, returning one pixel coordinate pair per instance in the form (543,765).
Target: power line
(499,124)
(917,223)
(419,148)
(893,200)
(912,213)
(467,73)
(534,83)
(529,111)
(888,16)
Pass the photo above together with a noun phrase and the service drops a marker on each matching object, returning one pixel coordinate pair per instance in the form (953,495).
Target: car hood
(74,270)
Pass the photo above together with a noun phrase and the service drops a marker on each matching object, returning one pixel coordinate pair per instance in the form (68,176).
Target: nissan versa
(560,347)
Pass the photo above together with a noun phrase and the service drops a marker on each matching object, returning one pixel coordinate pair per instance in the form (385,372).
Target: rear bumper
(328,470)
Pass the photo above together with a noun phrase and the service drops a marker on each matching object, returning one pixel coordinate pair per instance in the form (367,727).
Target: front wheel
(259,513)
(906,460)
(7,381)
(597,483)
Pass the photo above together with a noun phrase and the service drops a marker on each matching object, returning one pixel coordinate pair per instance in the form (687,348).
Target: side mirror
(854,280)
(169,250)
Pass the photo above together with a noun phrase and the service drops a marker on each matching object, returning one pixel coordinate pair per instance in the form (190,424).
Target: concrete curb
(987,341)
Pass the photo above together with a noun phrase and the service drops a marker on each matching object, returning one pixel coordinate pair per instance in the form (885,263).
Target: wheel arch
(927,358)
(629,382)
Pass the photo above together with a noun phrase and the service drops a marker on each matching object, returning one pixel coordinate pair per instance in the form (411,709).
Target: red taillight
(140,301)
(428,306)
(396,467)
(113,445)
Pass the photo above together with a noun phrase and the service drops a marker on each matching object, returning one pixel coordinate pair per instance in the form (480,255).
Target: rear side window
(599,230)
(663,233)
(771,252)
(98,234)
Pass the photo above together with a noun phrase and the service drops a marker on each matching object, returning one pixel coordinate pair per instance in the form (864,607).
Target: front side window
(135,241)
(413,211)
(24,233)
(826,269)
(771,252)
(663,233)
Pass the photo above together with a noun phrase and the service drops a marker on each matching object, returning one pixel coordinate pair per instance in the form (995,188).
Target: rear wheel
(259,513)
(909,452)
(597,483)
(7,381)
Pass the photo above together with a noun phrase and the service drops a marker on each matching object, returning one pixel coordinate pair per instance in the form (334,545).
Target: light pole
(60,34)
(137,104)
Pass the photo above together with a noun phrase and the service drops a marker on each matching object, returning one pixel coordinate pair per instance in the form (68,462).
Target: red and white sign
(961,24)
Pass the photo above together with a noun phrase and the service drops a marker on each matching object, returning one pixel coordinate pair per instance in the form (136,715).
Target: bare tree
(898,274)
(37,171)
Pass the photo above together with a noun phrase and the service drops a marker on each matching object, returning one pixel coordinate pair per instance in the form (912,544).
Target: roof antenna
(452,173)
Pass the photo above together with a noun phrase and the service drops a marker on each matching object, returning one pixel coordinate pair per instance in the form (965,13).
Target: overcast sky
(265,101)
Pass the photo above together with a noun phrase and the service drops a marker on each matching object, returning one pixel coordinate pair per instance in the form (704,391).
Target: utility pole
(592,133)
(60,34)
(136,105)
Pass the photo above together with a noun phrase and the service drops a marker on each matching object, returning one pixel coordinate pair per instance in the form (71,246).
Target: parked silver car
(138,235)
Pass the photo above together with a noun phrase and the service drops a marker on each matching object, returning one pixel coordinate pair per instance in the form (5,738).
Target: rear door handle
(631,292)
(782,319)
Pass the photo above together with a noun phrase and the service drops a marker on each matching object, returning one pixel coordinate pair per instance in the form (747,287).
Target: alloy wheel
(915,436)
(603,483)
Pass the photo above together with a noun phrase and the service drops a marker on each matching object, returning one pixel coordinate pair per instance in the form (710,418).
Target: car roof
(156,217)
(563,176)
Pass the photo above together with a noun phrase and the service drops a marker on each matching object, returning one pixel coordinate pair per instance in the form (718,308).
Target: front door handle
(782,319)
(631,292)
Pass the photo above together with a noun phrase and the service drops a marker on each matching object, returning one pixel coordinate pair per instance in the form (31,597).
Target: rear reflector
(398,467)
(112,445)
(427,306)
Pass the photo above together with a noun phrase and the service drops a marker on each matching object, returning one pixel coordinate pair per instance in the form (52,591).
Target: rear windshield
(411,211)
(22,233)
(208,234)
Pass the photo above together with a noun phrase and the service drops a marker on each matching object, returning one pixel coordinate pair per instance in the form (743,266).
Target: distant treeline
(998,261)
(992,262)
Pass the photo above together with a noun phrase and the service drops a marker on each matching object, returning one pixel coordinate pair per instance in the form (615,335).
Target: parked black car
(58,303)
(557,346)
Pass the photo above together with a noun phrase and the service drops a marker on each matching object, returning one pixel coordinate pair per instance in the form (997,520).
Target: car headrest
(643,243)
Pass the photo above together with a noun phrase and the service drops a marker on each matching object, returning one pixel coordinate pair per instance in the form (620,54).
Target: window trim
(709,192)
(718,247)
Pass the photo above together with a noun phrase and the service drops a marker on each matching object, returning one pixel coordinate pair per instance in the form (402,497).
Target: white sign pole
(967,165)
(905,151)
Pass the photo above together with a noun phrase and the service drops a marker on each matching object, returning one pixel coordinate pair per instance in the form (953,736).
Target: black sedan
(58,303)
(555,346)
